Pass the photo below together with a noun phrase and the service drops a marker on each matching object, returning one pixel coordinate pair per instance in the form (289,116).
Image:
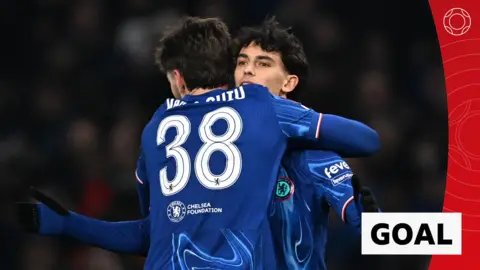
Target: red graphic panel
(458,29)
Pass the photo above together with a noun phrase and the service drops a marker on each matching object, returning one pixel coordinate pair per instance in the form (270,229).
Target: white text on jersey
(335,168)
(172,103)
(226,96)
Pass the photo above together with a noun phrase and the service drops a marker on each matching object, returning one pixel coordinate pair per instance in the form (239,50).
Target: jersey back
(211,162)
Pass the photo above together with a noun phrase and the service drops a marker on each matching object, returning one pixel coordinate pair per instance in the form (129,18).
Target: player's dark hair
(272,37)
(200,49)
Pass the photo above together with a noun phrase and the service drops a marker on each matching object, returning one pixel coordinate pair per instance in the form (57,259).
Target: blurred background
(78,83)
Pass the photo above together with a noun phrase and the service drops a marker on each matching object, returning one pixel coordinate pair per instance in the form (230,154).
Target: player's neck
(200,91)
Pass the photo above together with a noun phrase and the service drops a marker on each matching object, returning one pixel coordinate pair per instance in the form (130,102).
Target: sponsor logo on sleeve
(338,172)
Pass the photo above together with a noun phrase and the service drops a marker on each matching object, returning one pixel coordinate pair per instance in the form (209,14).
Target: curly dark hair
(272,37)
(201,49)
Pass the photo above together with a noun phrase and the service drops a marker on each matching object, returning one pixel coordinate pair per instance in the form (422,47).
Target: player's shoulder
(255,91)
(324,165)
(254,87)
(156,117)
(160,112)
(288,103)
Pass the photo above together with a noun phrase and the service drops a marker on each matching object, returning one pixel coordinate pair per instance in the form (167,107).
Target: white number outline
(223,143)
(175,150)
(211,143)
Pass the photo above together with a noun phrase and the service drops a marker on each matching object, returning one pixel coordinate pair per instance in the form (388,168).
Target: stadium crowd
(78,83)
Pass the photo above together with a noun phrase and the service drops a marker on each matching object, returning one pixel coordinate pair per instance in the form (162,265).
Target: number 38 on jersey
(211,143)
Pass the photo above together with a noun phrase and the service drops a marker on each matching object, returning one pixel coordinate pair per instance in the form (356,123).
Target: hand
(364,196)
(46,217)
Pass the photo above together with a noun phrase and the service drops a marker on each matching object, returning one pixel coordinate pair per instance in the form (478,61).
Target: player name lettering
(172,103)
(225,96)
(230,95)
(403,234)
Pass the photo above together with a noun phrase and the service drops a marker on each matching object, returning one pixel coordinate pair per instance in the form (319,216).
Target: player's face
(255,65)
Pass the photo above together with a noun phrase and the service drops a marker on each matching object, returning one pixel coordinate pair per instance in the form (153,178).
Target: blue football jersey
(309,185)
(209,163)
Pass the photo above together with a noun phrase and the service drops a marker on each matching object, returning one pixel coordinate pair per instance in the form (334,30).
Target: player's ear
(290,83)
(177,77)
(180,82)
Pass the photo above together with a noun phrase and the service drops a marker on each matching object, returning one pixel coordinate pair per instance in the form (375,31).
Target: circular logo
(457,21)
(284,189)
(176,211)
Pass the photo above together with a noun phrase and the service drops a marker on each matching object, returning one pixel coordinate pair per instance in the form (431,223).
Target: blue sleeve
(344,136)
(332,177)
(131,237)
(142,186)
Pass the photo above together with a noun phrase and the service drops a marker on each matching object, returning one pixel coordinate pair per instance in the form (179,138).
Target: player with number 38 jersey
(210,162)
